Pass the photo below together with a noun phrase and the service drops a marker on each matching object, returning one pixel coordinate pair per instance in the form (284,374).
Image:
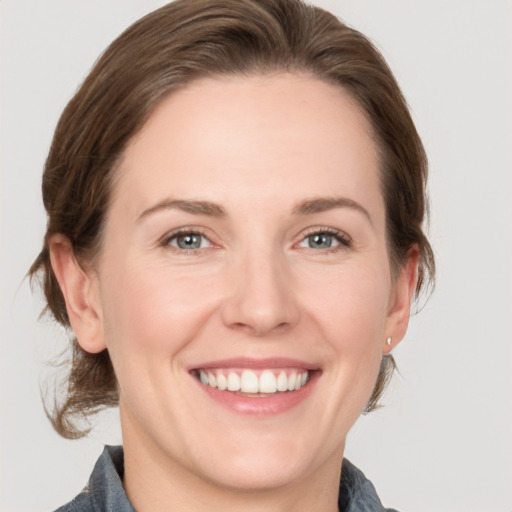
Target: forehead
(252,135)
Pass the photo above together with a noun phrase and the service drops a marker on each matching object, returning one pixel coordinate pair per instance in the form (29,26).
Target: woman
(235,200)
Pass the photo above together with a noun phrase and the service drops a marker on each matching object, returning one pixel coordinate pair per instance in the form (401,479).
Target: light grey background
(444,440)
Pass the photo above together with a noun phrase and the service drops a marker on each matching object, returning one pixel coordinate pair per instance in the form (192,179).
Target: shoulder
(357,493)
(82,503)
(104,492)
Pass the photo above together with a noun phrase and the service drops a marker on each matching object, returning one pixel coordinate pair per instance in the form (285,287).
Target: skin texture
(257,147)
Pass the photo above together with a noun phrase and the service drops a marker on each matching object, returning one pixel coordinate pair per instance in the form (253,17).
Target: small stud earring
(388,341)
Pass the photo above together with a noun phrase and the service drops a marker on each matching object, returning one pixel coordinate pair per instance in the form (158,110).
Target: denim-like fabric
(357,493)
(105,492)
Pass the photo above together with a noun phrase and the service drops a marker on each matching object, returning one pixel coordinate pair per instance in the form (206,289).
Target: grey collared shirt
(105,492)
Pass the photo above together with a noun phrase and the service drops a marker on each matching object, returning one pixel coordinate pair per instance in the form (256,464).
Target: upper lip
(256,363)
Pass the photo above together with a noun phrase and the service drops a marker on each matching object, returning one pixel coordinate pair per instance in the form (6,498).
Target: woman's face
(245,246)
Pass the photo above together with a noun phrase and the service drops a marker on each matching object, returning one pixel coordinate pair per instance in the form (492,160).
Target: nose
(261,299)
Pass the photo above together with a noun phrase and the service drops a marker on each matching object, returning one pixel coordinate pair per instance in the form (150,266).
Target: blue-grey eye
(320,241)
(189,241)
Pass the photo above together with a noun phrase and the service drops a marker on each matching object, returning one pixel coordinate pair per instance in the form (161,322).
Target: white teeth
(291,381)
(282,382)
(268,381)
(249,382)
(233,382)
(222,382)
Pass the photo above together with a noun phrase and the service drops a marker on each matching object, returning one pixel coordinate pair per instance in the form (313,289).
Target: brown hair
(164,51)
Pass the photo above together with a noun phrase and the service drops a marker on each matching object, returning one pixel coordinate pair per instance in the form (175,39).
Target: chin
(258,461)
(252,474)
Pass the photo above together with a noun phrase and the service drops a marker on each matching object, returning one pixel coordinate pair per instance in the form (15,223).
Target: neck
(155,482)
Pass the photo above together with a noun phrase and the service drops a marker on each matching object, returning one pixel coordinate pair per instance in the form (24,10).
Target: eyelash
(167,239)
(344,240)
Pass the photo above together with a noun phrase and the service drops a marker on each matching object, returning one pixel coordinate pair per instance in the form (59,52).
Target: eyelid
(325,229)
(165,240)
(341,236)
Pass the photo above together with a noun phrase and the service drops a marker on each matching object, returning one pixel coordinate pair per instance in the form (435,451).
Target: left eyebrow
(194,207)
(322,204)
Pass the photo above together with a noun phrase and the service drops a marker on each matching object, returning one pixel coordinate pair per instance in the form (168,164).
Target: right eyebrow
(322,204)
(194,207)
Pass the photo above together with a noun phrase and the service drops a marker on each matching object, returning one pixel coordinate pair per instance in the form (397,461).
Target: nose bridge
(262,298)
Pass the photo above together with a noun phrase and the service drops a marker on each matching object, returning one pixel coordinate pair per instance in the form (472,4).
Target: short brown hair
(166,50)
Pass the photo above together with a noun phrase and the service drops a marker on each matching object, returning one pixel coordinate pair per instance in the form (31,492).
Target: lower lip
(262,404)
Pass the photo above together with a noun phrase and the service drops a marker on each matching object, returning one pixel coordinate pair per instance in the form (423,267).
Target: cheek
(152,310)
(351,310)
(351,303)
(149,318)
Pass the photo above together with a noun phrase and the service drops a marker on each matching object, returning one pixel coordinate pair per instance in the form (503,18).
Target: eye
(321,241)
(188,241)
(325,239)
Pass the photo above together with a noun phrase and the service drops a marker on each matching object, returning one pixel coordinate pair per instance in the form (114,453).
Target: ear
(81,293)
(399,311)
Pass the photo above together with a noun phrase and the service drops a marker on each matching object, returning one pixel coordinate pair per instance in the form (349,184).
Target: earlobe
(80,290)
(400,303)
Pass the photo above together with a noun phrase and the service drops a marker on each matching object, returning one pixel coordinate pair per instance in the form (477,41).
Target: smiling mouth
(250,382)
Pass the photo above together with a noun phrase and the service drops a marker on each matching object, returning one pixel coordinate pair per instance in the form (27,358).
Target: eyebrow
(308,207)
(194,207)
(322,204)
